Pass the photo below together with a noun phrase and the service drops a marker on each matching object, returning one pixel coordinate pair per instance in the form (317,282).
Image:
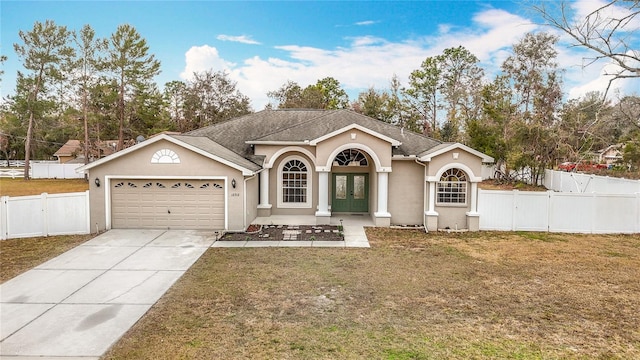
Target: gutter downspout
(424,191)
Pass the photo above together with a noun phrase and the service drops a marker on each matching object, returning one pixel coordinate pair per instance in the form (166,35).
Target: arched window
(350,157)
(295,183)
(165,156)
(452,187)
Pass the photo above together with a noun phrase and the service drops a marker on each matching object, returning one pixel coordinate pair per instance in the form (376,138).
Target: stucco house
(287,162)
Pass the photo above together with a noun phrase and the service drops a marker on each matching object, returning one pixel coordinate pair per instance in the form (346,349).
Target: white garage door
(167,204)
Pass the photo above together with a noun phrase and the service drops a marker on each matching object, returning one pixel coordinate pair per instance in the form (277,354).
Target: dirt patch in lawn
(412,295)
(20,255)
(287,233)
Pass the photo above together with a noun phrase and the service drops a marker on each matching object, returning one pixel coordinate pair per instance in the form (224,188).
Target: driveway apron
(80,303)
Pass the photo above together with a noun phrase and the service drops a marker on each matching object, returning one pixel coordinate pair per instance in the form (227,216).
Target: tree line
(78,86)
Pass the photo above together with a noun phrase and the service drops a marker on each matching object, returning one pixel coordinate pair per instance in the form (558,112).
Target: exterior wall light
(233,183)
(97,182)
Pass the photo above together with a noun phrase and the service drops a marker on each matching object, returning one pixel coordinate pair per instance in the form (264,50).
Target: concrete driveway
(81,302)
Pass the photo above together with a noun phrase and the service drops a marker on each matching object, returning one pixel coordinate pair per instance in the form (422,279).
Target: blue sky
(263,44)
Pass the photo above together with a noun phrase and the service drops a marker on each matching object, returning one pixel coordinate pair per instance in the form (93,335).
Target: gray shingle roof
(332,120)
(208,145)
(295,125)
(434,149)
(234,133)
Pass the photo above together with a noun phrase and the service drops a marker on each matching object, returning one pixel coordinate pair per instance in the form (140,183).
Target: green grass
(541,236)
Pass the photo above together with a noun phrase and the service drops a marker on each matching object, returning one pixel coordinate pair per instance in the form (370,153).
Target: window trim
(455,194)
(352,155)
(309,189)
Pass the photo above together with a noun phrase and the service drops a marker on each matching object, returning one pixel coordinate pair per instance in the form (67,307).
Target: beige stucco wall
(455,216)
(468,159)
(318,156)
(274,184)
(138,164)
(252,198)
(273,152)
(406,193)
(362,141)
(452,217)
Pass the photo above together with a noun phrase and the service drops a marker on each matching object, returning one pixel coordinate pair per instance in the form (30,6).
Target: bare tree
(610,32)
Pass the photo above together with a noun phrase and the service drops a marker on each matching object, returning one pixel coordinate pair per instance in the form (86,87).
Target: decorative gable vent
(165,156)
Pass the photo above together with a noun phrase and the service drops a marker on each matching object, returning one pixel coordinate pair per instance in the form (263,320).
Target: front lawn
(411,296)
(21,187)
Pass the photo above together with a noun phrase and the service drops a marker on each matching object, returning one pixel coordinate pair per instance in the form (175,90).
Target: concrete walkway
(80,303)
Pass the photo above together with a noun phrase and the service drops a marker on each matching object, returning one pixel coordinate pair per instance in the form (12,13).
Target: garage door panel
(174,204)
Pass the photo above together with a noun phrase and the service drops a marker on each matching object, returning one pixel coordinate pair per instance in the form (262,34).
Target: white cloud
(372,61)
(607,10)
(203,58)
(444,28)
(241,39)
(596,76)
(365,23)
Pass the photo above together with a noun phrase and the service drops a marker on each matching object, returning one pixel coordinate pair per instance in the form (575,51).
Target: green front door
(350,193)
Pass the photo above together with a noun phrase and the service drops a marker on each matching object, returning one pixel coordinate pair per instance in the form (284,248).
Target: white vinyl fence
(12,173)
(44,215)
(585,183)
(53,170)
(559,212)
(41,170)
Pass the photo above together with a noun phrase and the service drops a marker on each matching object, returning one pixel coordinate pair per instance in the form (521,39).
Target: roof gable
(443,148)
(393,142)
(202,146)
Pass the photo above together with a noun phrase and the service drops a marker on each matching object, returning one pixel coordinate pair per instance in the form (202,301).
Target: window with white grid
(295,183)
(452,188)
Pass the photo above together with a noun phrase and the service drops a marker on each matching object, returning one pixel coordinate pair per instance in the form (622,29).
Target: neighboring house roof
(611,150)
(70,148)
(296,126)
(98,149)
